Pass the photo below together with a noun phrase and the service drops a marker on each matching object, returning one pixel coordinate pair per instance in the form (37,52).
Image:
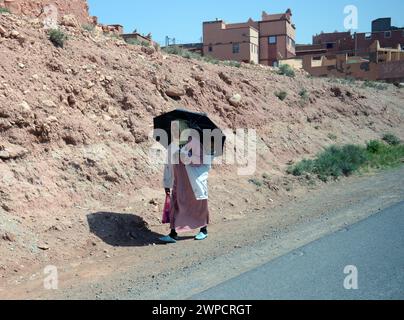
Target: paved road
(316,271)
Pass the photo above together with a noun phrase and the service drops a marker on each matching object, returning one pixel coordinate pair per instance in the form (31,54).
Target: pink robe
(187,213)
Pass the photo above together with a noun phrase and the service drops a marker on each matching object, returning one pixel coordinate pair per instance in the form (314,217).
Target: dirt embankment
(74,127)
(37,8)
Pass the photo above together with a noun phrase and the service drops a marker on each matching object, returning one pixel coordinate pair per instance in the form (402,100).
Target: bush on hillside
(57,37)
(286,70)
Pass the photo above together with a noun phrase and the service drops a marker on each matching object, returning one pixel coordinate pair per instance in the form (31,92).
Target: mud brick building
(264,42)
(385,64)
(357,44)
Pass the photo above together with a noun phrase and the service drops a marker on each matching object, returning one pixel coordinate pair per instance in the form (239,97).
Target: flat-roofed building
(265,42)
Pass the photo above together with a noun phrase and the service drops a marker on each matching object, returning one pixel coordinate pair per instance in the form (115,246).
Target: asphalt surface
(374,247)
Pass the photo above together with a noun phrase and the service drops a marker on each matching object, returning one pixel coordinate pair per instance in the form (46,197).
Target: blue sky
(182,19)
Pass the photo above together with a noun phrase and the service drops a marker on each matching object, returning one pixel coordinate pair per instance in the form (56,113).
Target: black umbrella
(196,121)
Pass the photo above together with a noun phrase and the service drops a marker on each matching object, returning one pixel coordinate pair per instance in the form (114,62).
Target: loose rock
(225,78)
(9,237)
(235,100)
(174,92)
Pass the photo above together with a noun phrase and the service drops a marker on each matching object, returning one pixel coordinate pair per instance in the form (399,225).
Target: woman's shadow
(123,230)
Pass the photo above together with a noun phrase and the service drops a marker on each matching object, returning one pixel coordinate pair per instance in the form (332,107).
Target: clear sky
(182,19)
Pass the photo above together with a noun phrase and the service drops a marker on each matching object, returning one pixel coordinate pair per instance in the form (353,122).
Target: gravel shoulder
(188,268)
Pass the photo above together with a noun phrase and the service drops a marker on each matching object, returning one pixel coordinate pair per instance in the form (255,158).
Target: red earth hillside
(35,8)
(74,126)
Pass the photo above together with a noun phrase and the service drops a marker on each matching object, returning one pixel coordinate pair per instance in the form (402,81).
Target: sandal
(168,239)
(201,236)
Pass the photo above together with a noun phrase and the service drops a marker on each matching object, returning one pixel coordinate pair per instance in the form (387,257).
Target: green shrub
(286,70)
(388,156)
(304,94)
(337,161)
(112,35)
(348,81)
(304,97)
(333,162)
(210,59)
(134,42)
(4,10)
(256,182)
(88,27)
(176,50)
(332,137)
(375,85)
(391,139)
(374,146)
(57,37)
(281,95)
(266,176)
(301,168)
(173,50)
(231,63)
(340,161)
(182,52)
(192,55)
(137,42)
(145,43)
(156,46)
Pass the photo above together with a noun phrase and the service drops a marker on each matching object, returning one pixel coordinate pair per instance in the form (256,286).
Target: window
(236,48)
(210,48)
(387,34)
(272,40)
(291,42)
(330,45)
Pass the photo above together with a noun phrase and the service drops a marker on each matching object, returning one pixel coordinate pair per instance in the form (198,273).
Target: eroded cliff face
(38,8)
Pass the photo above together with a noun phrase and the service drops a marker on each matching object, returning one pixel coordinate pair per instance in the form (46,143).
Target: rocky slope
(74,126)
(36,8)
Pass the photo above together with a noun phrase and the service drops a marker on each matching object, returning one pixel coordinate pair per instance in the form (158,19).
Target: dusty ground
(180,271)
(74,124)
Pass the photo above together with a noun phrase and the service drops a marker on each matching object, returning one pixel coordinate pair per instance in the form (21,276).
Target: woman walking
(186,180)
